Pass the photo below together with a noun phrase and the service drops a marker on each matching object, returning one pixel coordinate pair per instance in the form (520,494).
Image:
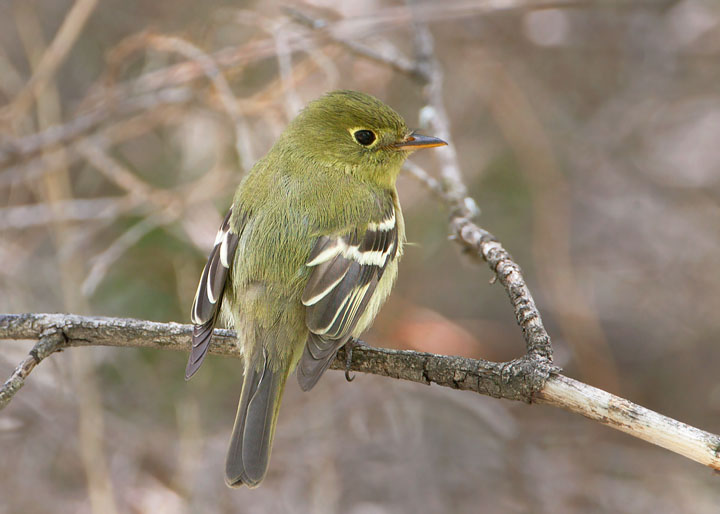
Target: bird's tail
(252,436)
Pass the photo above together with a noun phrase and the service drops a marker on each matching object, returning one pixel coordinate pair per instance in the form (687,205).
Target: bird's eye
(364,137)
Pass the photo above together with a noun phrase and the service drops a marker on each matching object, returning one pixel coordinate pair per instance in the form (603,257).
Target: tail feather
(252,437)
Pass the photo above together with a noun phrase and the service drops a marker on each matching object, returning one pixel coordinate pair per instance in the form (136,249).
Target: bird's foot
(349,347)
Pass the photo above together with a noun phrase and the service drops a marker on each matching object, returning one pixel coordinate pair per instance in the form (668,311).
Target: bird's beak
(416,141)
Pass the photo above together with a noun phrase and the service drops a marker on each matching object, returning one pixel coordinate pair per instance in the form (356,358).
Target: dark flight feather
(346,271)
(208,297)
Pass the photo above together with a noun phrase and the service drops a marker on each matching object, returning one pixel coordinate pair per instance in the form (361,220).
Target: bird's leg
(349,347)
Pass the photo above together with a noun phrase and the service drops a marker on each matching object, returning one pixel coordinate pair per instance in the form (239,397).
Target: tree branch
(526,379)
(49,342)
(624,415)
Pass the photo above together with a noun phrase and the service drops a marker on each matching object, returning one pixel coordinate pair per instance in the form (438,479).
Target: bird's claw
(349,347)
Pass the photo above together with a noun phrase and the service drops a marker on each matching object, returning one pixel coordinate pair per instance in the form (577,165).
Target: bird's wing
(346,269)
(209,295)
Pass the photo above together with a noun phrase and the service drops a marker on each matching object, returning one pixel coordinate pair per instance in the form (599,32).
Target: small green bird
(305,257)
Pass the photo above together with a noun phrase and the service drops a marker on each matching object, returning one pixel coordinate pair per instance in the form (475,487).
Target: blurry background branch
(52,58)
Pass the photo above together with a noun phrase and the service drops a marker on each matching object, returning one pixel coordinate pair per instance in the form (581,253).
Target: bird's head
(356,133)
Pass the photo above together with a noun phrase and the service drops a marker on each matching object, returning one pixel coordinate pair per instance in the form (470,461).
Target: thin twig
(48,343)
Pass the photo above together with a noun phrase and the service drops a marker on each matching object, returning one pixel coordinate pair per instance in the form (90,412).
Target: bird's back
(278,222)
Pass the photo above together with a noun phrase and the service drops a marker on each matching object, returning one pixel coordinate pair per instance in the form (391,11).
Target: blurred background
(587,132)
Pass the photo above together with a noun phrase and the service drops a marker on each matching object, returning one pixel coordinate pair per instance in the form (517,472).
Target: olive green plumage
(305,258)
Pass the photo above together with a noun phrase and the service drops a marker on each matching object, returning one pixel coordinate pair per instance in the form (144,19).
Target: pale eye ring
(364,137)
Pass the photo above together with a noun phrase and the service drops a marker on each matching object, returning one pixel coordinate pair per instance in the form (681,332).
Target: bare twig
(623,415)
(48,343)
(525,379)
